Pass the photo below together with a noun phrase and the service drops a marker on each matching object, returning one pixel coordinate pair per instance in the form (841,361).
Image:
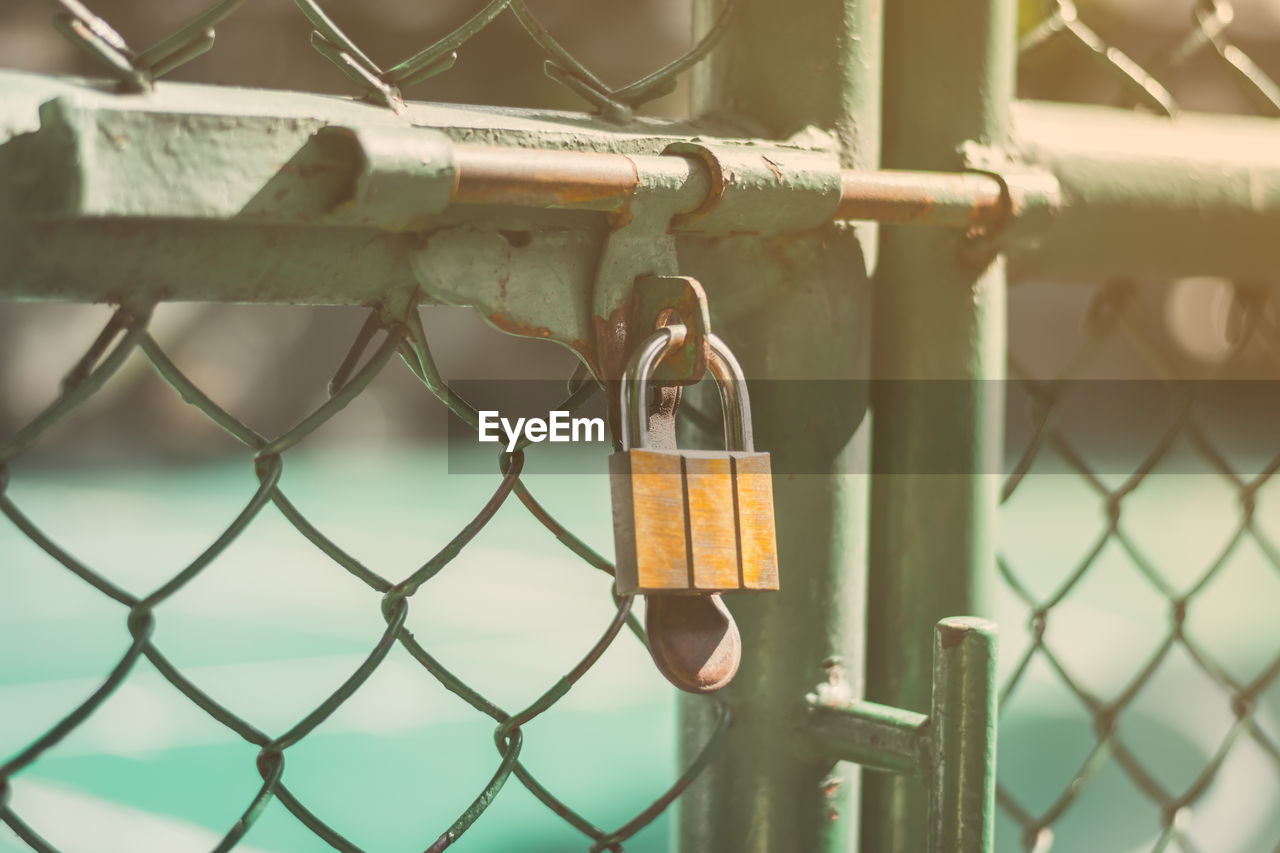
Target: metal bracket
(952,748)
(576,282)
(752,190)
(1031,198)
(761,191)
(665,299)
(641,245)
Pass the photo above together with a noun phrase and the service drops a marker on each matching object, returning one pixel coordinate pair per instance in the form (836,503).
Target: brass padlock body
(693,521)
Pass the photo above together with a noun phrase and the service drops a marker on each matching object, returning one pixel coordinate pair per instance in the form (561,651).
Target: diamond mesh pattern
(137,70)
(1118,713)
(127,333)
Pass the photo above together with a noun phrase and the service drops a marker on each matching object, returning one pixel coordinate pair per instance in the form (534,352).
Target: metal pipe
(1152,196)
(953,748)
(1141,194)
(923,198)
(876,736)
(530,177)
(939,315)
(589,180)
(963,719)
(767,790)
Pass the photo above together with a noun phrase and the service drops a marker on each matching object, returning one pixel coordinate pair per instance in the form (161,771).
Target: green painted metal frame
(942,307)
(287,197)
(952,748)
(796,306)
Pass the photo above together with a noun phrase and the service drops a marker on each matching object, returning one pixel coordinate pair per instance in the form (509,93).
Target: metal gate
(856,189)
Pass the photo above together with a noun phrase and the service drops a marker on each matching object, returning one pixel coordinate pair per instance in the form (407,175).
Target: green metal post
(963,782)
(953,749)
(793,308)
(940,315)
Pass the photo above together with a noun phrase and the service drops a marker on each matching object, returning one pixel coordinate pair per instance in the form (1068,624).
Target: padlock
(691,521)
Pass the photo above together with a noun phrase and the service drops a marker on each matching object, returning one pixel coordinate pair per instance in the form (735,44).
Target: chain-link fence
(1152,672)
(134,70)
(127,334)
(1142,679)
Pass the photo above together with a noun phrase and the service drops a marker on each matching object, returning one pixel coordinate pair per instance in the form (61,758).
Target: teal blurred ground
(272,626)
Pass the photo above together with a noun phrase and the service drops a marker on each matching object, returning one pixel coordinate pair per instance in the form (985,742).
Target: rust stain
(757,534)
(621,219)
(714,195)
(989,214)
(611,341)
(542,178)
(951,636)
(524,330)
(773,167)
(882,197)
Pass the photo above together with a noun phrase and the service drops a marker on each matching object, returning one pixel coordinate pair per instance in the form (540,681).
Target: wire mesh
(126,333)
(136,70)
(1146,85)
(1229,705)
(1115,314)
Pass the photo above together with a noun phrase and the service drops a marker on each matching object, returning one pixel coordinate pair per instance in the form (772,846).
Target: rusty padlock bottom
(693,640)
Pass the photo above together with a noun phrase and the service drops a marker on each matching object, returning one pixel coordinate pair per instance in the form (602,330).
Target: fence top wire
(126,333)
(1146,84)
(136,70)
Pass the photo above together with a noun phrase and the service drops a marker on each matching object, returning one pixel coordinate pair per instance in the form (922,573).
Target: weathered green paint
(287,197)
(792,307)
(1192,195)
(1153,196)
(953,749)
(939,315)
(399,177)
(115,261)
(643,245)
(762,189)
(962,800)
(876,736)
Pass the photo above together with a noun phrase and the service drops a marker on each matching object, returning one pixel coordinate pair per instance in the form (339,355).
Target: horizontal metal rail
(1146,195)
(1140,194)
(1132,194)
(965,200)
(103,155)
(600,181)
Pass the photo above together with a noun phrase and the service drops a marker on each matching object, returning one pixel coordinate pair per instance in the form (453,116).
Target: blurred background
(136,484)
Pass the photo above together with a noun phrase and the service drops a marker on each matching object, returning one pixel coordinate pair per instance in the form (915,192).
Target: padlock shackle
(734,402)
(730,381)
(635,420)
